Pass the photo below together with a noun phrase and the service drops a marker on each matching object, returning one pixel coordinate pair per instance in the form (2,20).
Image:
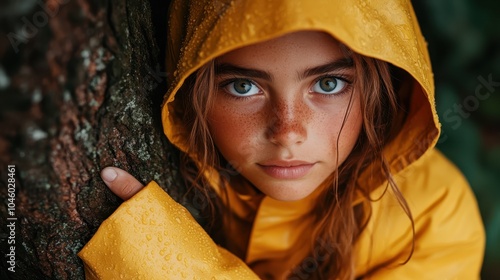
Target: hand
(120,182)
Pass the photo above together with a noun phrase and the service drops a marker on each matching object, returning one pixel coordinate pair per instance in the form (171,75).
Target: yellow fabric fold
(449,235)
(151,236)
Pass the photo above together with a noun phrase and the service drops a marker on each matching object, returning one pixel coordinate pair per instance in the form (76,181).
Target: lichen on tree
(80,92)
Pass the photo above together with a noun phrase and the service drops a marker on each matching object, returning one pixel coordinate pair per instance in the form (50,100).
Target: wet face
(285,114)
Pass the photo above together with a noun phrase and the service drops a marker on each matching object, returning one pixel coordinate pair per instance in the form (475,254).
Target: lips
(289,170)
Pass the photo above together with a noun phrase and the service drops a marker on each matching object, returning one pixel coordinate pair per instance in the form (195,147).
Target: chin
(288,195)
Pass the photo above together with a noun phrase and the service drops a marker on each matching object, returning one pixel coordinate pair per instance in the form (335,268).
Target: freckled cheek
(233,132)
(329,132)
(348,131)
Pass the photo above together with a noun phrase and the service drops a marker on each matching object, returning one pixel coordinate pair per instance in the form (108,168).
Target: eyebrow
(231,69)
(340,64)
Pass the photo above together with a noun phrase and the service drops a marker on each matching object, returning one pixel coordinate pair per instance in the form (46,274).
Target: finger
(120,182)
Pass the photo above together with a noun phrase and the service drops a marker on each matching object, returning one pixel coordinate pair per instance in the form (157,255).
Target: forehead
(301,46)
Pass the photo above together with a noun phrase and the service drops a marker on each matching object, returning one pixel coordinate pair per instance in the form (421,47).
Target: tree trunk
(81,84)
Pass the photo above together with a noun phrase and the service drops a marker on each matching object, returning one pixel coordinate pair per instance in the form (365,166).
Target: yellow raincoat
(150,236)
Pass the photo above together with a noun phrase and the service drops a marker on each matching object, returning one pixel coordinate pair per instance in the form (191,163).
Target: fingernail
(108,174)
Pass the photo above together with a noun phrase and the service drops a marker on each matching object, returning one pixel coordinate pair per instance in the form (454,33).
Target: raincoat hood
(202,30)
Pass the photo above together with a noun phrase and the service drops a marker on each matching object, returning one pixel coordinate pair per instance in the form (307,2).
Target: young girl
(307,129)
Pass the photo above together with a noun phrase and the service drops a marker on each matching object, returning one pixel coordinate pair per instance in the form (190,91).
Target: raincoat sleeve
(151,236)
(449,237)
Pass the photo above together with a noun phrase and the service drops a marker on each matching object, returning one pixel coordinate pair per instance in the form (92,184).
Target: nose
(286,126)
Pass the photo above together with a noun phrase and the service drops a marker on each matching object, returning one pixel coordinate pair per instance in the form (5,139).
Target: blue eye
(329,85)
(242,87)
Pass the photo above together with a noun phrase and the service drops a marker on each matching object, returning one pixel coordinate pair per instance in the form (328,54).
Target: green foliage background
(464,44)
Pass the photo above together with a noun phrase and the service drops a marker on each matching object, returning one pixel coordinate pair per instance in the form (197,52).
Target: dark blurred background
(464,45)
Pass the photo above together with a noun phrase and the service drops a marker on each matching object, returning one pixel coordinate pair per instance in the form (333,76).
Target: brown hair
(379,105)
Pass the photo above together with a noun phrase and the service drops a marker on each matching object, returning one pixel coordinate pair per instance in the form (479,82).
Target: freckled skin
(286,120)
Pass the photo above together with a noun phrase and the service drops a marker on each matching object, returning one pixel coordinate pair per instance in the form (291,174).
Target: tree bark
(81,85)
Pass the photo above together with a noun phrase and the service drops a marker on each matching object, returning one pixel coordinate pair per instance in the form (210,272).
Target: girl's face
(286,114)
